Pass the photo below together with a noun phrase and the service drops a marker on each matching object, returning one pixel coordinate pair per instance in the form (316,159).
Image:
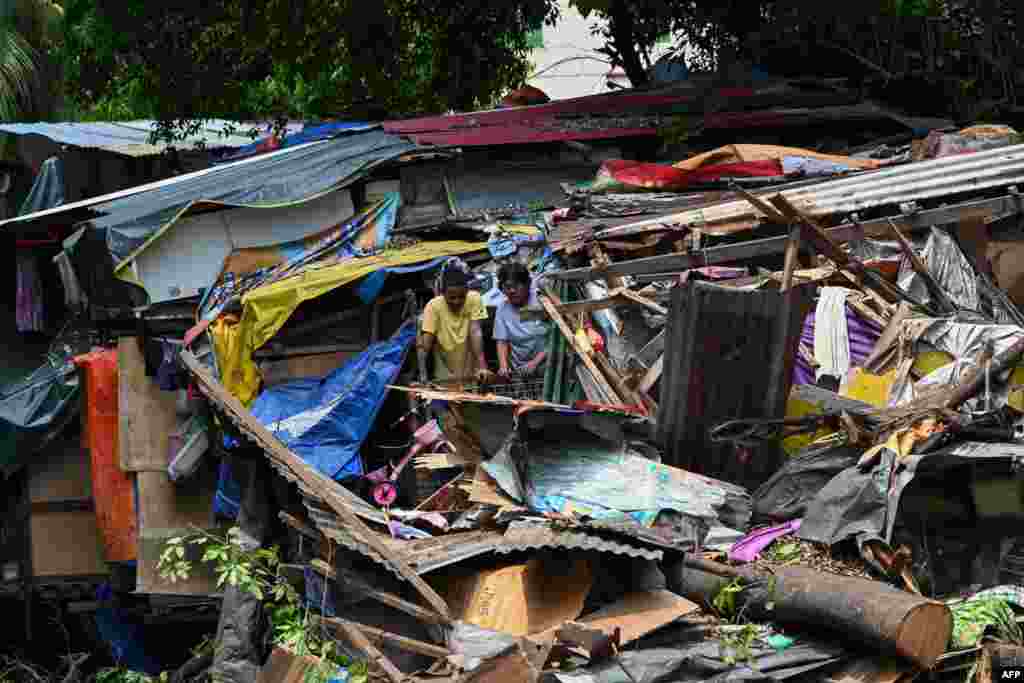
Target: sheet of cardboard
(638,614)
(520,599)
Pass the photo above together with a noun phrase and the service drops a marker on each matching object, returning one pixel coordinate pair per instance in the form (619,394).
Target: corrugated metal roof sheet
(531,536)
(131,138)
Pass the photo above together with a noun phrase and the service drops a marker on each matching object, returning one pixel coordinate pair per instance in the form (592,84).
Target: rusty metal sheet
(729,354)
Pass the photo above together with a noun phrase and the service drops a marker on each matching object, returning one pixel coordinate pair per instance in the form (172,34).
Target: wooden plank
(66,544)
(166,509)
(792,252)
(653,375)
(377,658)
(59,472)
(380,636)
(616,380)
(550,301)
(987,209)
(146,414)
(645,302)
(616,297)
(325,488)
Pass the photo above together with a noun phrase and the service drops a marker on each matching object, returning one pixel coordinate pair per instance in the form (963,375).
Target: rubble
(776,430)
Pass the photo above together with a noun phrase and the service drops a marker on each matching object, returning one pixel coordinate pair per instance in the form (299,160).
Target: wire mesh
(521,390)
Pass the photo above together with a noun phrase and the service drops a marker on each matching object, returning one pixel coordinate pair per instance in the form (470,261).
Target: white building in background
(565,59)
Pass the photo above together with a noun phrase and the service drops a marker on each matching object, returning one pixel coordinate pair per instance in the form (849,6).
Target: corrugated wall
(729,354)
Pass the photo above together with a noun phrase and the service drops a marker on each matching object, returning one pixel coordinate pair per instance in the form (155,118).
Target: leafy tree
(29,30)
(249,59)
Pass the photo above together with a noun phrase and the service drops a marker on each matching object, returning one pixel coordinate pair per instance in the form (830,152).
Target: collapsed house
(779,385)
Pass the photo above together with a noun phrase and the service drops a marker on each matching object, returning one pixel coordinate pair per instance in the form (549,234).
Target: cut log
(867,612)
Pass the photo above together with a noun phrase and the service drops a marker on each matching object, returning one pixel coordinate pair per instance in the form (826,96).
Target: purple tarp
(863,337)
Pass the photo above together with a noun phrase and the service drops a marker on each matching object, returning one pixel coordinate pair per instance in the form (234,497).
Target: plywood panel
(60,472)
(66,544)
(146,414)
(166,508)
(277,371)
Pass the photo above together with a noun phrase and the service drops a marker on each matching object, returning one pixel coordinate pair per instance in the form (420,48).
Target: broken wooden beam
(550,301)
(379,636)
(672,264)
(376,658)
(792,252)
(616,297)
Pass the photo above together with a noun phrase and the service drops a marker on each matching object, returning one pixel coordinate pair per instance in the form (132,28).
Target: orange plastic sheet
(113,490)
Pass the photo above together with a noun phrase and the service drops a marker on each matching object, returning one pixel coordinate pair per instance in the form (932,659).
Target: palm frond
(19,75)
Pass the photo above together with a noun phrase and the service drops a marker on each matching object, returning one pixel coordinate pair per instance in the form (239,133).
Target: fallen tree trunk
(869,613)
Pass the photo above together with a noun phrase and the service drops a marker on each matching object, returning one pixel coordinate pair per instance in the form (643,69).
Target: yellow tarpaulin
(267,308)
(738,153)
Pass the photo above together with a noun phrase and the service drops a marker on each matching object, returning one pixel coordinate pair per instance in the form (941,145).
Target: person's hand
(505,372)
(483,375)
(530,368)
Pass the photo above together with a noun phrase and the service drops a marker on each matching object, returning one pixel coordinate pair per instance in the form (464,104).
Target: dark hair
(453,277)
(513,273)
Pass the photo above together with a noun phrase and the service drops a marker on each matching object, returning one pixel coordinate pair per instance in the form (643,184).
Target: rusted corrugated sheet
(729,354)
(531,536)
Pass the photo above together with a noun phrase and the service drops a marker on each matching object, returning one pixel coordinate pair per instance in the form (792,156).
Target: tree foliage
(29,33)
(309,59)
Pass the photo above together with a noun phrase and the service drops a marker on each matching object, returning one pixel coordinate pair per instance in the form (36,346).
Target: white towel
(831,337)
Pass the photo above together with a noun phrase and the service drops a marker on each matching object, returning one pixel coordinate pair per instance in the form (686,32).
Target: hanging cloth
(831,336)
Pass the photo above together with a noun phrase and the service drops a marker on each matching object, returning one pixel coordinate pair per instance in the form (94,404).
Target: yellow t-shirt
(451,332)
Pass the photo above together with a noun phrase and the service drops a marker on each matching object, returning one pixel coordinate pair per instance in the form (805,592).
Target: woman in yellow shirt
(450,327)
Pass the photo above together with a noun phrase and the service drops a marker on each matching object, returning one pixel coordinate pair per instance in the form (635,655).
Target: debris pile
(755,415)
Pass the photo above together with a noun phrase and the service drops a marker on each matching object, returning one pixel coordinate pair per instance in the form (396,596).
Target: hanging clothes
(831,336)
(29,301)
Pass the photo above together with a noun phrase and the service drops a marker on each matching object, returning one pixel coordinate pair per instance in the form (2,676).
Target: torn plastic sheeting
(950,268)
(787,493)
(707,661)
(267,308)
(586,475)
(243,270)
(864,504)
(749,548)
(34,410)
(962,341)
(325,421)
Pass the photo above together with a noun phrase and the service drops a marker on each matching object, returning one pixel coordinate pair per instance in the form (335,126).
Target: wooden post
(792,254)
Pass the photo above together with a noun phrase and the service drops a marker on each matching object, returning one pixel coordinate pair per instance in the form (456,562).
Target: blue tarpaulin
(307,134)
(325,420)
